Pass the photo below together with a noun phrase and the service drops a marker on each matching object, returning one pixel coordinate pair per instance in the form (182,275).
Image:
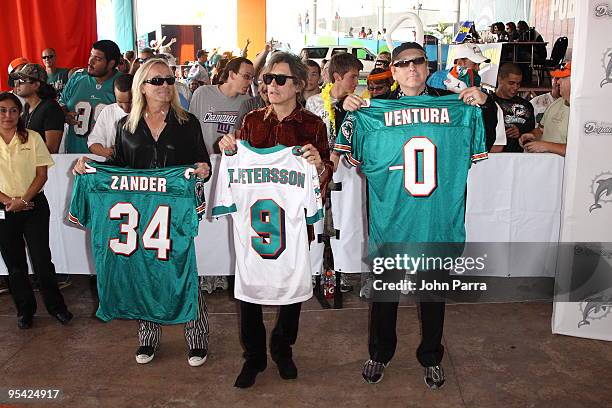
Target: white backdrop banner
(512,199)
(583,298)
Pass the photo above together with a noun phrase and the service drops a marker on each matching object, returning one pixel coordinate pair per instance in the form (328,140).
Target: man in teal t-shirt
(87,92)
(56,77)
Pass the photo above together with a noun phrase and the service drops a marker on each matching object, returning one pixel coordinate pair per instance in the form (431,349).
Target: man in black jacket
(409,68)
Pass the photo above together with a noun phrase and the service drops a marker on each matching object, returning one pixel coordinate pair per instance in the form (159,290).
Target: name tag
(2,215)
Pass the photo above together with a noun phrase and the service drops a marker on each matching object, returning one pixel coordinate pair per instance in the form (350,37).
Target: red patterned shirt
(261,128)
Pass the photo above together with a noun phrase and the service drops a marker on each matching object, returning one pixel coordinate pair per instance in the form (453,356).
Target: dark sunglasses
(406,63)
(48,57)
(23,81)
(377,88)
(159,81)
(279,78)
(383,63)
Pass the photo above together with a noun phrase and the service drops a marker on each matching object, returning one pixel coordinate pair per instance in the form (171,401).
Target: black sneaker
(434,377)
(287,369)
(24,322)
(373,371)
(247,375)
(197,357)
(145,354)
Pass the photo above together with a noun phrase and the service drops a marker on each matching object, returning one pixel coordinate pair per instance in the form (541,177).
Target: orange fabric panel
(251,19)
(69,26)
(187,40)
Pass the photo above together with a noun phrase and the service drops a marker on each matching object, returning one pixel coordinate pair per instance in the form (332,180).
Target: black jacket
(178,144)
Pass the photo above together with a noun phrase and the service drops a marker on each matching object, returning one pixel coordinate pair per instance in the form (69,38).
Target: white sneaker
(197,357)
(221,283)
(145,354)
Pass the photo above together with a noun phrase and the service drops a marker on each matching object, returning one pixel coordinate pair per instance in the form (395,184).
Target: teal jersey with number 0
(142,226)
(415,153)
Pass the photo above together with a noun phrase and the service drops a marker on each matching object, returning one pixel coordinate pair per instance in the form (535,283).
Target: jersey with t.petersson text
(143,224)
(415,153)
(86,97)
(267,190)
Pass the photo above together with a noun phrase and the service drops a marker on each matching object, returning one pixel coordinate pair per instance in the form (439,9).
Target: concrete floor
(497,355)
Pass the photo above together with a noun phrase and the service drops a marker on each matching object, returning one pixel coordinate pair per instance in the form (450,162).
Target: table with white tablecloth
(512,198)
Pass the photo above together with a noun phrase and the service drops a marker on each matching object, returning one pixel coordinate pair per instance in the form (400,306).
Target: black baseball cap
(406,46)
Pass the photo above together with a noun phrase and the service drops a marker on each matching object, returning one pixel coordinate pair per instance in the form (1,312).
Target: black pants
(30,228)
(383,322)
(253,333)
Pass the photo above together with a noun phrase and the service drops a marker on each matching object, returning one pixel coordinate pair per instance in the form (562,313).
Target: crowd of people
(366,33)
(136,110)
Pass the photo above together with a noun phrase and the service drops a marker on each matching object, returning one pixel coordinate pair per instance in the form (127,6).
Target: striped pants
(196,331)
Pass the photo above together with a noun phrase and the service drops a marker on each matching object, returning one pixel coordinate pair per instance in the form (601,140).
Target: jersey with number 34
(272,194)
(143,224)
(415,153)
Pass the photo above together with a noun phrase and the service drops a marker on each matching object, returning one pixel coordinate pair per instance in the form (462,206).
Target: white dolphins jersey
(271,193)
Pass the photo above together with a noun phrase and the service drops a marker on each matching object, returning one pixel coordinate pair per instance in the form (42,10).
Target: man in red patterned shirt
(283,122)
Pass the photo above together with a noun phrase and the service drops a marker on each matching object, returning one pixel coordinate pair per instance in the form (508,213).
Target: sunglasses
(377,88)
(406,63)
(45,57)
(11,111)
(159,81)
(23,82)
(383,63)
(279,78)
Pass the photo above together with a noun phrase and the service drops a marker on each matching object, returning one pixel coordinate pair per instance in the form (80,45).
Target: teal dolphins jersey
(143,224)
(415,153)
(84,96)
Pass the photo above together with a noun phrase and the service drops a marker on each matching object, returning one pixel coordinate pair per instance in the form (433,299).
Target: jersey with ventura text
(415,153)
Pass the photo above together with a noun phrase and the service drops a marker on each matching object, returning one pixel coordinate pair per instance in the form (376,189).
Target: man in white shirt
(101,140)
(199,70)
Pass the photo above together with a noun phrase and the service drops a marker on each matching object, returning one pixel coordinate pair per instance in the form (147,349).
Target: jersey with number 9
(142,225)
(272,194)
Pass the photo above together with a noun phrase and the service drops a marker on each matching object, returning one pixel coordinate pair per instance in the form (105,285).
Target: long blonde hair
(139,102)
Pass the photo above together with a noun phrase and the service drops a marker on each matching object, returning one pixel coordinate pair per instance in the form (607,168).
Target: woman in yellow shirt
(24,215)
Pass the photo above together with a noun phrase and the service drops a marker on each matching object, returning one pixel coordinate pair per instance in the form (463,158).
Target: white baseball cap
(471,52)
